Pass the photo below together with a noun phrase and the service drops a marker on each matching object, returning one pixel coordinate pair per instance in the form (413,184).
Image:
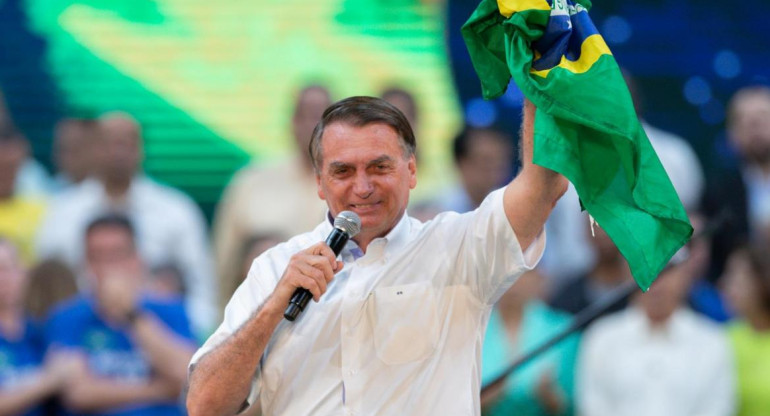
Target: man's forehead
(371,160)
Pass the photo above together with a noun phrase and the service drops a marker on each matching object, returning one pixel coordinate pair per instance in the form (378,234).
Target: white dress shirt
(399,330)
(628,368)
(169,229)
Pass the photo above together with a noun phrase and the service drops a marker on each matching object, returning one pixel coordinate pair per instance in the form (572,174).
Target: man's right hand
(311,269)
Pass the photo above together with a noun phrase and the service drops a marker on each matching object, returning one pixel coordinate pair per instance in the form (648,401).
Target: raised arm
(531,196)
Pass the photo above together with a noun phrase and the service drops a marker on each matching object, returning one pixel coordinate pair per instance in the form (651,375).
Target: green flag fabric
(585,126)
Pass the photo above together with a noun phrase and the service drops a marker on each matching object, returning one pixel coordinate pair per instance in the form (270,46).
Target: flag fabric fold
(585,126)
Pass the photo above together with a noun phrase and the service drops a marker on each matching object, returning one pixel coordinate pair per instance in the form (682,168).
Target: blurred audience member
(675,153)
(747,285)
(610,271)
(744,192)
(26,379)
(519,323)
(51,282)
(20,216)
(280,198)
(166,281)
(31,180)
(170,227)
(76,152)
(484,160)
(704,297)
(404,101)
(656,358)
(567,255)
(253,247)
(135,349)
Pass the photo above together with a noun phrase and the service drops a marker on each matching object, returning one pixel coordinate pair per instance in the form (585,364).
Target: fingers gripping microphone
(346,226)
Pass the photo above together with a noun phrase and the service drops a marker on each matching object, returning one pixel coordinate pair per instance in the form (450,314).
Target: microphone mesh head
(349,222)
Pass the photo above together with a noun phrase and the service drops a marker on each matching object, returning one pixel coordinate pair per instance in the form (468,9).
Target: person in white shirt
(398,323)
(657,357)
(170,227)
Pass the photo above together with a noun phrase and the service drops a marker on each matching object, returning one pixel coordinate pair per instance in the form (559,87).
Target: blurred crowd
(110,279)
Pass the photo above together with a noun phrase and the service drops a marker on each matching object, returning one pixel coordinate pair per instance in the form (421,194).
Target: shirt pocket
(404,322)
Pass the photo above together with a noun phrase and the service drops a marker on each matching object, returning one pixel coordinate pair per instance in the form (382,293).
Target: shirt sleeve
(252,293)
(488,251)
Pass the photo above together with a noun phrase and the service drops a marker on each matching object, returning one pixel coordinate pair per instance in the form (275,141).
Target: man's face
(75,149)
(666,294)
(122,147)
(750,127)
(364,170)
(110,251)
(487,165)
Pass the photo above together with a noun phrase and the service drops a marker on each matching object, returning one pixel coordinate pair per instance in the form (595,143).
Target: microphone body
(346,225)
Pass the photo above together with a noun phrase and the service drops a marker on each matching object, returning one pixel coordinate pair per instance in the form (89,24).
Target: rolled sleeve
(489,250)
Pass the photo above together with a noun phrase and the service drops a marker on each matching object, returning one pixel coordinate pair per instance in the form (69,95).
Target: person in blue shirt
(134,349)
(27,379)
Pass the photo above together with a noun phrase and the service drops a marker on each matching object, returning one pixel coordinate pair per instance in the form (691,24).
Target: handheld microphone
(346,226)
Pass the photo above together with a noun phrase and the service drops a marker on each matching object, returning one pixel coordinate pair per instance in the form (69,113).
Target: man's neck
(116,189)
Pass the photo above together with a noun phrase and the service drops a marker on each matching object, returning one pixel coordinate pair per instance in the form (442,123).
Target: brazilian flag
(585,126)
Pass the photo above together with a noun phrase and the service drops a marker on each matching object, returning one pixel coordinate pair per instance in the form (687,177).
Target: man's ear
(412,166)
(319,187)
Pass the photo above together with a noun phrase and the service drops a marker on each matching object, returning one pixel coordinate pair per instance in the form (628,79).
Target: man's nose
(362,185)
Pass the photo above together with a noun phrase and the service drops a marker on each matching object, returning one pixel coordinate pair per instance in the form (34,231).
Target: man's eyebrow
(381,159)
(338,165)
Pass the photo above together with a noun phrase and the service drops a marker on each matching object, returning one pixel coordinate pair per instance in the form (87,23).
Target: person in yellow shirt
(20,216)
(747,287)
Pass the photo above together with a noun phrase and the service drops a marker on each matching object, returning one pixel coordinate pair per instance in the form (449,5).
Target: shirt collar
(396,238)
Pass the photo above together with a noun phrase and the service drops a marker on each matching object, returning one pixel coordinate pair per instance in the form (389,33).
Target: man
(744,191)
(483,157)
(398,324)
(484,161)
(657,357)
(170,227)
(135,348)
(272,199)
(76,152)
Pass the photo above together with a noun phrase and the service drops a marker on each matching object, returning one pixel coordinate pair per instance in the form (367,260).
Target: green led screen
(213,82)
